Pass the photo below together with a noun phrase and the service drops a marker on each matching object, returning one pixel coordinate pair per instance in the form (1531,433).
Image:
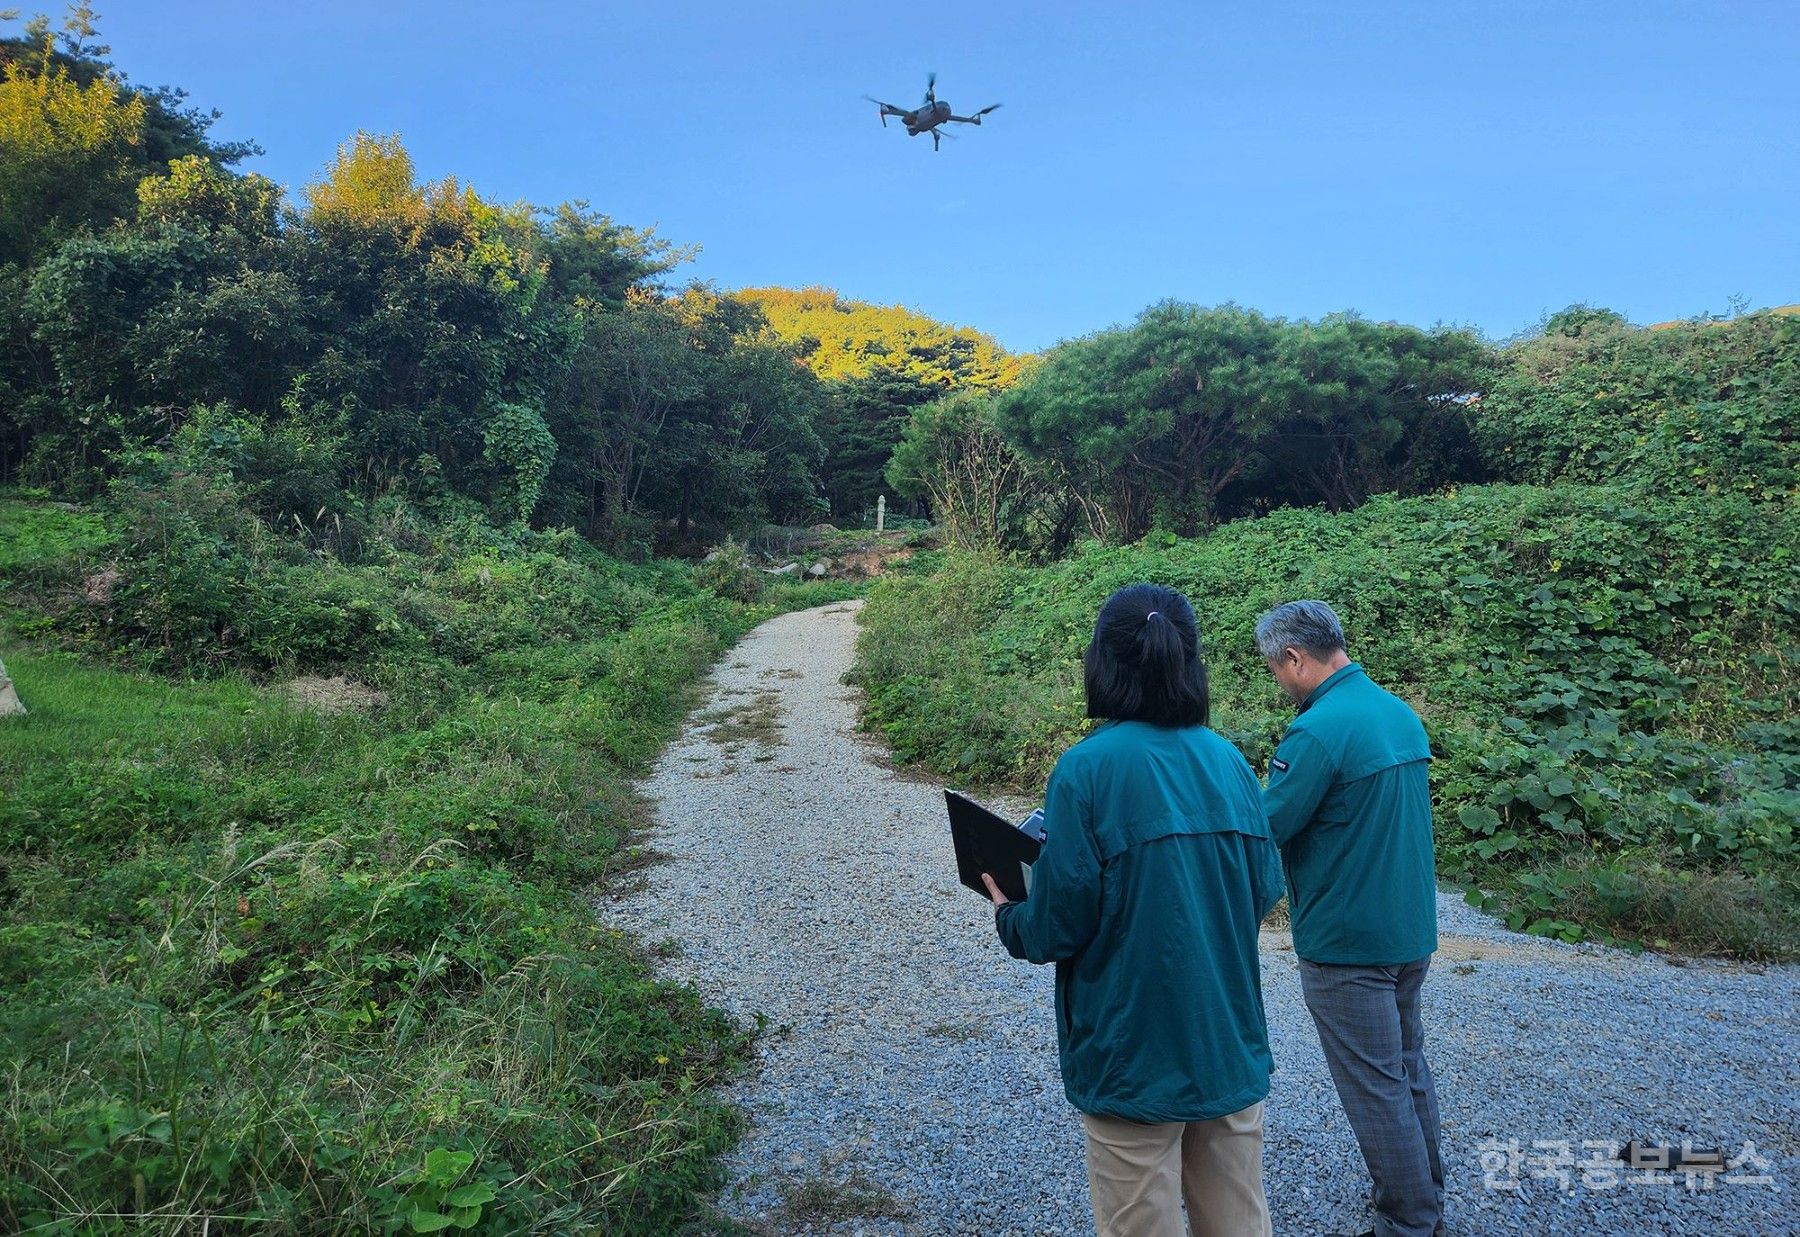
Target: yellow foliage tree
(853,339)
(370,183)
(66,152)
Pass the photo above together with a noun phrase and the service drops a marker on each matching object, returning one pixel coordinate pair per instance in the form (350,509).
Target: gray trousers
(1374,1042)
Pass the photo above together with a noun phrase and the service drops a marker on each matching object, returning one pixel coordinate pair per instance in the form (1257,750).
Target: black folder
(989,843)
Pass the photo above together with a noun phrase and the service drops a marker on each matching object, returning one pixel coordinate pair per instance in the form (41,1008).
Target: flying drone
(929,115)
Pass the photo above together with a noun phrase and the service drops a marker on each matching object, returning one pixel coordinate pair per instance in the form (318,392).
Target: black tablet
(986,842)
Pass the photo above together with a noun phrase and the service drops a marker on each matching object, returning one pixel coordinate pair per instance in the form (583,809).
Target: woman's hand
(999,898)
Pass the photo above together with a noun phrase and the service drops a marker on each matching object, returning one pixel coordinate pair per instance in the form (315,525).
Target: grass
(261,960)
(818,1200)
(268,965)
(756,721)
(1648,898)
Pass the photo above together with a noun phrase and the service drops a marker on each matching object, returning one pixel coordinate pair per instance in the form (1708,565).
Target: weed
(818,1200)
(757,721)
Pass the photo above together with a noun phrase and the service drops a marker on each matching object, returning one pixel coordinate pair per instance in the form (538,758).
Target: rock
(820,569)
(787,569)
(10,704)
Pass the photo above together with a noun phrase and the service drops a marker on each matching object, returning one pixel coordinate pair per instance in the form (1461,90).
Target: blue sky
(1474,163)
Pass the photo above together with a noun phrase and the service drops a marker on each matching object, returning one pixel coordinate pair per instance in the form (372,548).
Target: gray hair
(1309,625)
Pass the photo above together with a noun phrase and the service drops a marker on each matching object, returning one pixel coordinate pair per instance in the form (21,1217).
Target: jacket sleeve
(1265,874)
(1063,912)
(1299,776)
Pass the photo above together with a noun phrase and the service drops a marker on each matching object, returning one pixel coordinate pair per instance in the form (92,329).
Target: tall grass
(265,965)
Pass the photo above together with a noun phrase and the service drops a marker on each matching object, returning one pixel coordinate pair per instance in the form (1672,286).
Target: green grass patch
(265,964)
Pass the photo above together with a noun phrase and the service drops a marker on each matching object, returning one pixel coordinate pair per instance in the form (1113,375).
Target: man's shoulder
(1359,697)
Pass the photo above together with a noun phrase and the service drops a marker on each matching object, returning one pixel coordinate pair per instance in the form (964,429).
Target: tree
(1156,419)
(633,366)
(431,304)
(842,338)
(985,493)
(197,192)
(1378,407)
(1582,319)
(691,409)
(369,185)
(594,261)
(76,136)
(182,305)
(863,421)
(67,152)
(85,308)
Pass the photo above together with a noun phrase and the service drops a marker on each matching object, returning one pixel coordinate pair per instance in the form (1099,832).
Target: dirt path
(908,1083)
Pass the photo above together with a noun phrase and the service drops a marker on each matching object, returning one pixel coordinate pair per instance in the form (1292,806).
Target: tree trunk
(10,704)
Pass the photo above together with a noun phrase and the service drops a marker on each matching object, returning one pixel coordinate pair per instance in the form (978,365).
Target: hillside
(295,854)
(1609,685)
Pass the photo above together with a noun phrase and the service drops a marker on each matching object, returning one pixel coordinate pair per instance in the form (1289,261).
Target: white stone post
(881,513)
(10,704)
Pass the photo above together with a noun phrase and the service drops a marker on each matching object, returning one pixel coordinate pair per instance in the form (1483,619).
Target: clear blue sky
(1476,163)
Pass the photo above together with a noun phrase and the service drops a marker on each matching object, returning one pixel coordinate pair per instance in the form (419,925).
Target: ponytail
(1162,659)
(1144,661)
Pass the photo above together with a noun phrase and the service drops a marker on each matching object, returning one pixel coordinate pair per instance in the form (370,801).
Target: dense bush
(1684,407)
(1609,683)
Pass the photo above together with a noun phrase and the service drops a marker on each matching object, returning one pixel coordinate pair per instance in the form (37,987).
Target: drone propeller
(931,87)
(992,107)
(886,109)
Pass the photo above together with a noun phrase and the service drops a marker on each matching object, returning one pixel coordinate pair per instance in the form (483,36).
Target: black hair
(1144,664)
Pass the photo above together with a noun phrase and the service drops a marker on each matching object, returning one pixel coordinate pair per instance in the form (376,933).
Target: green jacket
(1157,869)
(1349,801)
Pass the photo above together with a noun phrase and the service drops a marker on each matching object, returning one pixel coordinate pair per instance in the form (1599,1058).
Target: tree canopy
(1192,414)
(843,338)
(421,335)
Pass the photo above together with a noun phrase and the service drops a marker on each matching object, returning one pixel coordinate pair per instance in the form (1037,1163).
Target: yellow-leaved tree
(67,151)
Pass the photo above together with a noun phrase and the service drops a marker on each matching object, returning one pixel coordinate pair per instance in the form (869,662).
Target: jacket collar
(1337,677)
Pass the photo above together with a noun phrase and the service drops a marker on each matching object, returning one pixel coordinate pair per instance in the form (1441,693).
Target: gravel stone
(907,1056)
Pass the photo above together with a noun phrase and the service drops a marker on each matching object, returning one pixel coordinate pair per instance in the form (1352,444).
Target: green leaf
(1479,818)
(472,1195)
(428,1221)
(443,1166)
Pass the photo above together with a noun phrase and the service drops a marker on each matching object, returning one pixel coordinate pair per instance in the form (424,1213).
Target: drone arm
(976,118)
(884,110)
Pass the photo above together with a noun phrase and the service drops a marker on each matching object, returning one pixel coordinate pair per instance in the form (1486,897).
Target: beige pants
(1139,1175)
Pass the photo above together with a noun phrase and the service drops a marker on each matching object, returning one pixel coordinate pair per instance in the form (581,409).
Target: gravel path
(907,1081)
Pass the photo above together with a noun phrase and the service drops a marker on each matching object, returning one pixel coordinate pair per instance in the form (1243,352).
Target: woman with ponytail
(1157,869)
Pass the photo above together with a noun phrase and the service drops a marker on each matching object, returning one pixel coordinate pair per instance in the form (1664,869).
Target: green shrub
(1684,407)
(726,572)
(1598,673)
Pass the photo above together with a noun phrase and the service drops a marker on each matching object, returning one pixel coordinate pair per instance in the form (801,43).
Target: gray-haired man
(1349,804)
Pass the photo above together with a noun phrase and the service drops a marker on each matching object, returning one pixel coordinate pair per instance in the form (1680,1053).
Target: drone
(929,115)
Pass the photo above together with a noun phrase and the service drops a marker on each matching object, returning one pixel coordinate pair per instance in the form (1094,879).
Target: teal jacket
(1156,872)
(1349,801)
